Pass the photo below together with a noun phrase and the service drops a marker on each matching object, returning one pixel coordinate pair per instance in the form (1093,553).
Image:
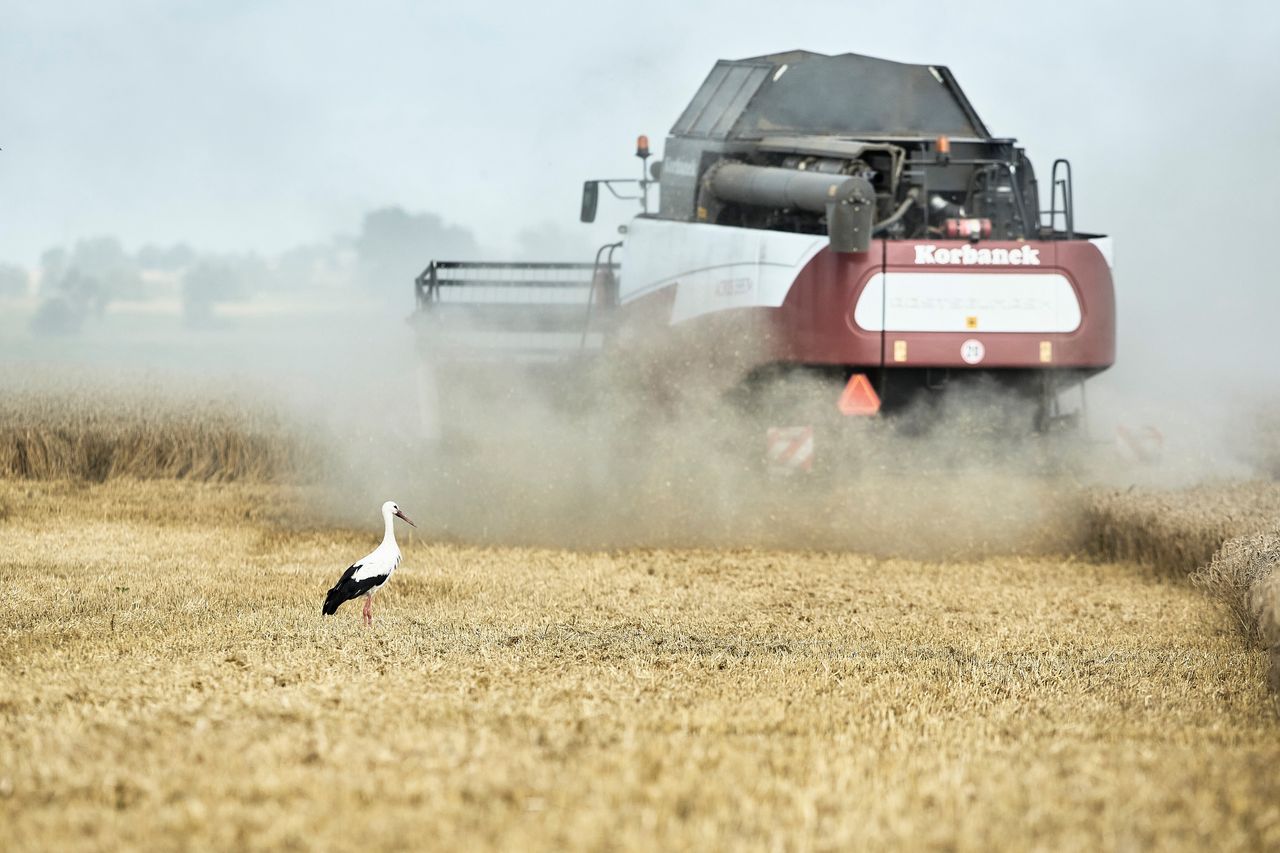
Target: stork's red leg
(368,610)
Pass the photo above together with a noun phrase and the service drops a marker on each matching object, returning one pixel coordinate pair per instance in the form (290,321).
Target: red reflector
(859,398)
(790,449)
(958,229)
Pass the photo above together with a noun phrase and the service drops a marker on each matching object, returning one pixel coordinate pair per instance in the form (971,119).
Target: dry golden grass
(170,683)
(100,433)
(1226,536)
(1244,576)
(1264,601)
(1242,565)
(1178,531)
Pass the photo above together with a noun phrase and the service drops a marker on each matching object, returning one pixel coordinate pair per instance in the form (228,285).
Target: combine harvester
(845,219)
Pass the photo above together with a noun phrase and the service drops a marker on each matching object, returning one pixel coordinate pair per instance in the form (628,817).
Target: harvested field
(172,684)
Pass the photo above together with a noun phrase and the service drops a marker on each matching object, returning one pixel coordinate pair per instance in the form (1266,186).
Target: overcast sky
(238,125)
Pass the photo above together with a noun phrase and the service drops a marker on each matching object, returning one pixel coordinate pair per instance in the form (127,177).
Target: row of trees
(77,284)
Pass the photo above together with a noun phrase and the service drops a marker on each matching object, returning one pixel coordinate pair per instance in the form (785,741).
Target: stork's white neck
(389,533)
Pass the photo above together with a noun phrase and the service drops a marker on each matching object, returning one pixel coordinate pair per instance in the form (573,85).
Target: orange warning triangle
(859,398)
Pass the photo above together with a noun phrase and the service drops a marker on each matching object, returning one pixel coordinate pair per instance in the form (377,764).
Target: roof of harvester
(805,93)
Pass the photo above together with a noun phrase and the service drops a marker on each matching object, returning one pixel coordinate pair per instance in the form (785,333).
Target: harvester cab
(845,216)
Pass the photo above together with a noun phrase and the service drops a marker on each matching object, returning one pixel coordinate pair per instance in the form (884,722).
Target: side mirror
(590,200)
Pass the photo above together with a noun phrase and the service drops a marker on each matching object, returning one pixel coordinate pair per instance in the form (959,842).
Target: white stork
(365,576)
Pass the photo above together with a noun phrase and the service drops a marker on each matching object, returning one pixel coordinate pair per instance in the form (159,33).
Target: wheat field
(170,683)
(78,430)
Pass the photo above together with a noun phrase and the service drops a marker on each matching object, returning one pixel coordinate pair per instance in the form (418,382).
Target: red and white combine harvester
(843,218)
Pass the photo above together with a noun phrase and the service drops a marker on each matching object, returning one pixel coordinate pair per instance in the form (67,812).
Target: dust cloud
(604,457)
(626,448)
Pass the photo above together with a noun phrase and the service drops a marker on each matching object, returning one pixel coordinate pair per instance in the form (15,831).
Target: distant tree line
(77,284)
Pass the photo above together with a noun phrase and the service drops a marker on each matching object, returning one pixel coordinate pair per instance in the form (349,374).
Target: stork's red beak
(406,518)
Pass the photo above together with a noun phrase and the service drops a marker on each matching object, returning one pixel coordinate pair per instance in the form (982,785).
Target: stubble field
(169,682)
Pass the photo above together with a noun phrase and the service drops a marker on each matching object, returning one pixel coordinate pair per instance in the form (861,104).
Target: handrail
(1068,198)
(610,269)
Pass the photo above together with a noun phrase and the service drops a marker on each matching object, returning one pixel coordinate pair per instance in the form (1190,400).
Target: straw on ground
(169,682)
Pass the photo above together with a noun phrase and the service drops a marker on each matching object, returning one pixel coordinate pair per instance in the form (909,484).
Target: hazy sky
(260,125)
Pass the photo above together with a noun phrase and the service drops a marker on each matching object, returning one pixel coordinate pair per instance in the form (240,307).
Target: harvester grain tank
(844,216)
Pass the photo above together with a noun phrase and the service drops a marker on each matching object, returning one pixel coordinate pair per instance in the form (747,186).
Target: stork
(365,576)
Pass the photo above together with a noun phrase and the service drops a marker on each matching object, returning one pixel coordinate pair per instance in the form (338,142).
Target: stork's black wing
(348,588)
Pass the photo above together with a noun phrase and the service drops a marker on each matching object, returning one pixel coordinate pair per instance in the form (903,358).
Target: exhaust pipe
(848,201)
